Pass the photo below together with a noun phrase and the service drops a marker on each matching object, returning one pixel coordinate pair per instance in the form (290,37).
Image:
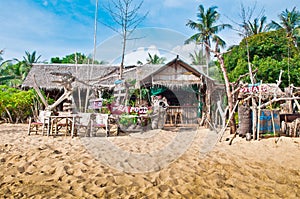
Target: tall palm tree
(290,21)
(207,29)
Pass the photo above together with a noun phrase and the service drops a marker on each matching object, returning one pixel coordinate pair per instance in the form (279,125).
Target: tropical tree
(26,64)
(75,58)
(207,29)
(258,25)
(197,58)
(155,59)
(290,22)
(269,52)
(31,58)
(126,15)
(5,75)
(14,72)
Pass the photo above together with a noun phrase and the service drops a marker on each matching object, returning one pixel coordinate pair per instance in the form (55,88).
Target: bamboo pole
(259,111)
(273,123)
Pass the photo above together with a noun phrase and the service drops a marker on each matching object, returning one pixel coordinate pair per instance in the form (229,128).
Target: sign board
(254,88)
(96,103)
(119,109)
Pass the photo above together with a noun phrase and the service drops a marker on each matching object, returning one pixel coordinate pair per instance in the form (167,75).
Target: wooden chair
(83,121)
(41,123)
(100,121)
(61,124)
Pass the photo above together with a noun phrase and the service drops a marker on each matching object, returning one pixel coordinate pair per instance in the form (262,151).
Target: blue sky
(61,27)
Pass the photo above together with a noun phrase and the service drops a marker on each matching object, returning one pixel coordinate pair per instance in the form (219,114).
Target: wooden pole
(230,116)
(259,110)
(36,88)
(273,123)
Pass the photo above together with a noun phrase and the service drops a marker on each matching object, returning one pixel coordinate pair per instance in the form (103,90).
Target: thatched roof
(45,79)
(174,73)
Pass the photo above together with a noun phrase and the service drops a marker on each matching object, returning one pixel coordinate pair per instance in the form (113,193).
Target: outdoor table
(67,121)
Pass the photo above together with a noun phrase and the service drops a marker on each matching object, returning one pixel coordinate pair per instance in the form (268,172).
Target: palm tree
(4,65)
(155,59)
(197,58)
(290,21)
(26,64)
(31,58)
(207,29)
(255,27)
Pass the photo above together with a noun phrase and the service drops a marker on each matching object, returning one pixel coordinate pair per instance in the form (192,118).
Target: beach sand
(38,166)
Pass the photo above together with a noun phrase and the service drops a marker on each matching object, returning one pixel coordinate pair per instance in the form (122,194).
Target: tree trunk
(207,55)
(228,92)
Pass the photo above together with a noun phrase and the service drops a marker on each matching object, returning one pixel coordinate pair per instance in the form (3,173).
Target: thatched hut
(48,76)
(190,93)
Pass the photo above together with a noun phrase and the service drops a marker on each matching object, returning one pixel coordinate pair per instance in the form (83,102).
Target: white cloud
(45,3)
(141,54)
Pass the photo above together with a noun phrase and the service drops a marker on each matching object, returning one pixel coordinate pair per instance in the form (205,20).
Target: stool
(169,118)
(178,118)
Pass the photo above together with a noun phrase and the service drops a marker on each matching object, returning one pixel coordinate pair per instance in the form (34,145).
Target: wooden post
(273,123)
(36,88)
(259,110)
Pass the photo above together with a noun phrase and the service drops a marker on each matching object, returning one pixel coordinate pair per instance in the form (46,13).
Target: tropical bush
(17,105)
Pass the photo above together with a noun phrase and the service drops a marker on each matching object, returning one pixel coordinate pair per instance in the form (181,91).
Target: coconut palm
(155,59)
(255,27)
(31,58)
(4,65)
(197,58)
(26,64)
(290,21)
(207,29)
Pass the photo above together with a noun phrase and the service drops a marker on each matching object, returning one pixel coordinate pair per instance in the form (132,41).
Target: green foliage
(75,58)
(31,58)
(269,52)
(128,119)
(198,58)
(15,104)
(155,59)
(13,74)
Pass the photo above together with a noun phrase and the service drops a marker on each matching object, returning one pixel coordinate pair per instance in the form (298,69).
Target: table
(56,123)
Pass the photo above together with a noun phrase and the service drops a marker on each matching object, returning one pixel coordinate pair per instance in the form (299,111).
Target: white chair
(41,123)
(83,121)
(100,121)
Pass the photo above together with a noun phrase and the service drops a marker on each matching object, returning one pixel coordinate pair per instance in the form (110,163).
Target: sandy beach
(38,166)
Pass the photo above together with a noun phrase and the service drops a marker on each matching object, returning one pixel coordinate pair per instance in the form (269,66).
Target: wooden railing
(181,115)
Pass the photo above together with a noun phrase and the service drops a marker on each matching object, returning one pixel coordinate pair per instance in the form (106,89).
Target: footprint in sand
(127,161)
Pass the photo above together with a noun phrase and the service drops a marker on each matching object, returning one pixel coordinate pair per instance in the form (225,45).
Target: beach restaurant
(191,95)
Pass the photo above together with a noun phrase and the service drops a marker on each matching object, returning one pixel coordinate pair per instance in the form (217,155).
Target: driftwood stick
(278,99)
(297,103)
(224,128)
(230,142)
(66,95)
(259,111)
(36,88)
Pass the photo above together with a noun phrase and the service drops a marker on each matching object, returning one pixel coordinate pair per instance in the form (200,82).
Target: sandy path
(45,167)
